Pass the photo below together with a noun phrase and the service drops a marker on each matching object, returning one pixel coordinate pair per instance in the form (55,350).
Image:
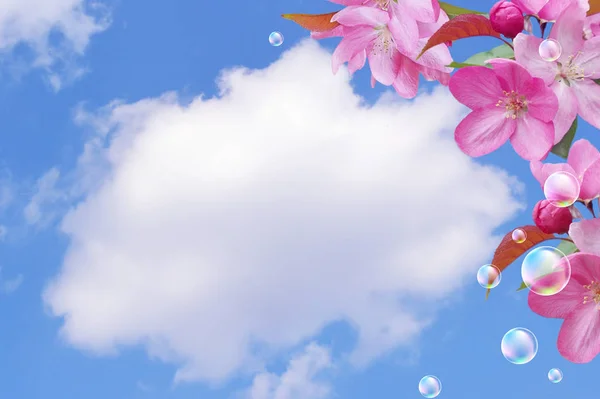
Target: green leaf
(562,148)
(522,287)
(567,247)
(502,51)
(454,11)
(597,81)
(462,65)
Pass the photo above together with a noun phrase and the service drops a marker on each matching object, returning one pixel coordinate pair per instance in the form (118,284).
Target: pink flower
(508,104)
(549,10)
(507,18)
(583,162)
(417,10)
(579,305)
(586,236)
(591,26)
(571,76)
(551,219)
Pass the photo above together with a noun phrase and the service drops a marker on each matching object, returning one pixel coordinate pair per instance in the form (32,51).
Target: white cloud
(8,286)
(299,381)
(55,31)
(46,196)
(254,219)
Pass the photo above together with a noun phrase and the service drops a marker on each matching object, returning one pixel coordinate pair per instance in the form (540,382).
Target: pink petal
(590,182)
(483,131)
(359,15)
(589,58)
(407,81)
(581,155)
(384,66)
(512,76)
(587,93)
(568,31)
(420,10)
(437,57)
(405,32)
(586,236)
(527,54)
(338,31)
(348,2)
(558,306)
(476,87)
(426,30)
(373,81)
(532,139)
(541,171)
(542,103)
(567,109)
(352,44)
(553,9)
(579,336)
(357,62)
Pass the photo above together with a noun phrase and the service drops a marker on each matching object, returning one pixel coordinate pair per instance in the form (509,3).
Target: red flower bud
(552,219)
(507,18)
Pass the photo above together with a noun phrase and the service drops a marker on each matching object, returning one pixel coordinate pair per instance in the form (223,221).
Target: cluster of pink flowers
(390,35)
(528,100)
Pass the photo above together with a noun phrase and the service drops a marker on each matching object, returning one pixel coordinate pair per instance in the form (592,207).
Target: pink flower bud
(551,219)
(507,18)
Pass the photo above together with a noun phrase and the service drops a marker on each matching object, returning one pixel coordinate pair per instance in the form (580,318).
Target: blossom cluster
(530,94)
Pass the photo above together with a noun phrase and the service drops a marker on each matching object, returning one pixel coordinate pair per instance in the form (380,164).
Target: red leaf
(509,250)
(594,7)
(313,22)
(463,26)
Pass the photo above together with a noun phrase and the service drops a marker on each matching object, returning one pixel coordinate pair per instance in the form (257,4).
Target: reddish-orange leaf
(460,27)
(594,7)
(508,250)
(313,22)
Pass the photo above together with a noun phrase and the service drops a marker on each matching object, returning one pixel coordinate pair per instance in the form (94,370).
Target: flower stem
(507,42)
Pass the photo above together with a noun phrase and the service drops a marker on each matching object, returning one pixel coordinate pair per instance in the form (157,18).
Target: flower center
(594,293)
(571,71)
(514,103)
(383,4)
(384,44)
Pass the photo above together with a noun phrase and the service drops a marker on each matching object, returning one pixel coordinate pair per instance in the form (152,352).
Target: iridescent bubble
(555,375)
(519,236)
(546,271)
(561,189)
(430,386)
(276,39)
(489,276)
(519,346)
(550,50)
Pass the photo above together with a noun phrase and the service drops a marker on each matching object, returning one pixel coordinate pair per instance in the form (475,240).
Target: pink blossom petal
(352,44)
(527,54)
(560,305)
(426,30)
(437,57)
(530,6)
(357,62)
(553,9)
(420,10)
(542,103)
(359,15)
(587,93)
(567,109)
(579,336)
(407,81)
(586,236)
(483,131)
(338,31)
(384,66)
(405,32)
(512,75)
(373,81)
(590,182)
(581,155)
(476,87)
(541,171)
(589,58)
(348,2)
(533,138)
(568,31)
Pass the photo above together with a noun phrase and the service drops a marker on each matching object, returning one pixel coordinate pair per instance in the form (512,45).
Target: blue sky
(149,267)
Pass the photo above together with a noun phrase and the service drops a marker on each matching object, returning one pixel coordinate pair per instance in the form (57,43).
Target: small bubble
(430,386)
(519,236)
(555,375)
(519,346)
(276,39)
(550,50)
(561,189)
(489,276)
(546,271)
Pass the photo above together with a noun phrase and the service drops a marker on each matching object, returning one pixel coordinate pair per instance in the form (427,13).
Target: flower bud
(507,18)
(551,219)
